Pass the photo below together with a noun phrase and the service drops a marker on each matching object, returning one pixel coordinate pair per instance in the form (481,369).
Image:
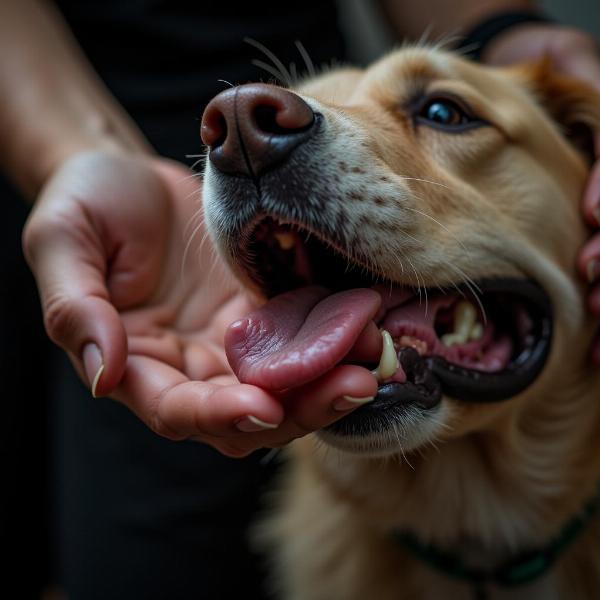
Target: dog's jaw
(412,429)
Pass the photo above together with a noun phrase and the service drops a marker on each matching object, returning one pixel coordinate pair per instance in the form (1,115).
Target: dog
(452,190)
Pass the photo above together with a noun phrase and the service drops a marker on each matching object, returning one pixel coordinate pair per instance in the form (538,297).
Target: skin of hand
(131,288)
(577,54)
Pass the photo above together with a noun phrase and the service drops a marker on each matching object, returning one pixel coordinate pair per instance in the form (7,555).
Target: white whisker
(441,225)
(284,74)
(187,249)
(269,69)
(310,67)
(425,181)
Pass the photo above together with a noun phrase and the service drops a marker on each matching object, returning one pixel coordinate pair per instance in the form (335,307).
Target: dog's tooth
(476,332)
(449,339)
(388,363)
(465,322)
(285,239)
(465,317)
(419,345)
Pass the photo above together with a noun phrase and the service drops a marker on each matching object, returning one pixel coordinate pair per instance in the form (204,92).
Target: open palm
(131,287)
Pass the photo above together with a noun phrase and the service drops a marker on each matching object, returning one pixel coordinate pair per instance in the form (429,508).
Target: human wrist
(67,124)
(53,103)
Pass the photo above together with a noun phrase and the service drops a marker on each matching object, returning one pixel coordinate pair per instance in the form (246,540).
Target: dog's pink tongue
(298,336)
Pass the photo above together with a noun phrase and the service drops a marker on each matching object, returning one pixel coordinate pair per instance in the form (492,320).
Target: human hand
(141,306)
(577,54)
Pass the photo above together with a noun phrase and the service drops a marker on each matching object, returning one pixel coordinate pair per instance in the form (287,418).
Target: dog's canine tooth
(285,239)
(388,363)
(466,327)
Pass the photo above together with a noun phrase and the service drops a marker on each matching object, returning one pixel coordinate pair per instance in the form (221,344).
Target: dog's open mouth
(482,345)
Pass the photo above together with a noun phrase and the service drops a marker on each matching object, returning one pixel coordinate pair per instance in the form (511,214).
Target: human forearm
(53,104)
(439,18)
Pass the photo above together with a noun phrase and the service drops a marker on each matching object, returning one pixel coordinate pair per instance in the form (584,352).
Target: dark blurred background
(26,356)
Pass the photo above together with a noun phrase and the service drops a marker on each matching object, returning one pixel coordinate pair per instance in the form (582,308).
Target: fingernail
(250,423)
(593,270)
(94,367)
(349,402)
(596,214)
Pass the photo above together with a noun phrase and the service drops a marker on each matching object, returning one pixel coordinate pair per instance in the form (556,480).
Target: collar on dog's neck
(521,569)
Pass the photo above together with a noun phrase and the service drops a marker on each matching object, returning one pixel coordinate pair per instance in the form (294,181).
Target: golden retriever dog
(450,191)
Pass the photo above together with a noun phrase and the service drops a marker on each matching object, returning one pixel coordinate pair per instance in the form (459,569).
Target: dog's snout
(252,128)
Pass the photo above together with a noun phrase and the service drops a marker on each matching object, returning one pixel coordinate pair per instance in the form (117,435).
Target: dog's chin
(395,434)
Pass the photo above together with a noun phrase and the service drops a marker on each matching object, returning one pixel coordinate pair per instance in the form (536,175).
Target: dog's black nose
(252,128)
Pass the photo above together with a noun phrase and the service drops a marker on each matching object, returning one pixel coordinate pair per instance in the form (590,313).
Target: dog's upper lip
(279,272)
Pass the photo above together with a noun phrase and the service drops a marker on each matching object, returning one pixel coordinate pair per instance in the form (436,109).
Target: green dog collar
(523,568)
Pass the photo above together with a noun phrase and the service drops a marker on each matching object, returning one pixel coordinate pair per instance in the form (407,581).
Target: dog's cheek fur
(406,227)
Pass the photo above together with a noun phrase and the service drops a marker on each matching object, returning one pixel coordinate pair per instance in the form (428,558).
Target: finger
(329,398)
(204,361)
(583,64)
(312,407)
(177,408)
(591,196)
(594,301)
(596,350)
(588,260)
(69,269)
(163,345)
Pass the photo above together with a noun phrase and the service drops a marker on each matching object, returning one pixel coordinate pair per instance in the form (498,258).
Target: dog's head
(450,188)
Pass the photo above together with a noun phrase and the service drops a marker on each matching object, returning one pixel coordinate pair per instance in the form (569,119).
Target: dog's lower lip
(477,386)
(431,377)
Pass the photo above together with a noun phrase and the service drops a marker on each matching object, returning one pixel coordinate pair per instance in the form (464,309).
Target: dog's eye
(445,114)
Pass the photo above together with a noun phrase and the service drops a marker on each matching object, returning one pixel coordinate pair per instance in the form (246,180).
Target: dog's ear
(573,104)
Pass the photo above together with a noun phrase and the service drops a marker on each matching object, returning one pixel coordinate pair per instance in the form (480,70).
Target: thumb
(69,263)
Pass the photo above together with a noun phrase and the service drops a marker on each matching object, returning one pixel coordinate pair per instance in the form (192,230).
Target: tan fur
(504,202)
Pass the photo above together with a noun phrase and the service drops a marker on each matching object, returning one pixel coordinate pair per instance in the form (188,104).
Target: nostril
(267,119)
(213,130)
(220,133)
(252,128)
